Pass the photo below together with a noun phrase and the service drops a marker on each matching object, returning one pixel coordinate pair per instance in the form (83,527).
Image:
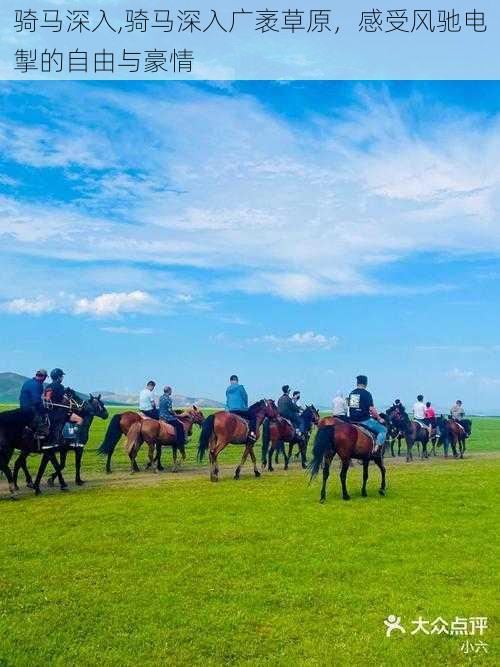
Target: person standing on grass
(237,403)
(147,400)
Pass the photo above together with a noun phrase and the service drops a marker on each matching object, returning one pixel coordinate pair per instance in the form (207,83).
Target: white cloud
(115,303)
(298,211)
(458,374)
(36,306)
(307,339)
(128,331)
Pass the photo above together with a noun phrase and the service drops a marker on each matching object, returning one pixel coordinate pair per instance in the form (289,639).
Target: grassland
(170,569)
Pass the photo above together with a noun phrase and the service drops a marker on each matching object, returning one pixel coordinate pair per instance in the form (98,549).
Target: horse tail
(134,438)
(266,437)
(206,433)
(113,434)
(322,442)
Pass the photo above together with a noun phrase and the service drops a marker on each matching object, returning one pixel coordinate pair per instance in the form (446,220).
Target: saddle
(368,432)
(142,415)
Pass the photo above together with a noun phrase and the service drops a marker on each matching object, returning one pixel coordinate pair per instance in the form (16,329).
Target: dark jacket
(55,392)
(31,395)
(287,408)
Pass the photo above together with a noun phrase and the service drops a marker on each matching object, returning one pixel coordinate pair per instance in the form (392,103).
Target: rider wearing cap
(363,412)
(59,413)
(288,408)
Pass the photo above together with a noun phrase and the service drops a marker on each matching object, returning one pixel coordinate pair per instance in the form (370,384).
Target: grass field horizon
(164,568)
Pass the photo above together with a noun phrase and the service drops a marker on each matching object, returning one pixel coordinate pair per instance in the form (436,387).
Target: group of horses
(335,436)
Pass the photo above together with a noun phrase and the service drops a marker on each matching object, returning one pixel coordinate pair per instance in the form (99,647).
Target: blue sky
(289,232)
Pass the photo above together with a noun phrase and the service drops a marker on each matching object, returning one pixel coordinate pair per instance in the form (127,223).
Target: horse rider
(31,394)
(237,403)
(289,409)
(397,410)
(53,397)
(419,413)
(457,413)
(147,400)
(167,414)
(339,405)
(363,412)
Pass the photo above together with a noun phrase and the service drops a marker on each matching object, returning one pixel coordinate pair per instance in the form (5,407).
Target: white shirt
(419,410)
(147,399)
(339,406)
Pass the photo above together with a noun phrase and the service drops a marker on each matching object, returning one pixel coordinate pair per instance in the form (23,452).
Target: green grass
(171,569)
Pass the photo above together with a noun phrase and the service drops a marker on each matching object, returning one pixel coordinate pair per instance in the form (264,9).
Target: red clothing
(429,413)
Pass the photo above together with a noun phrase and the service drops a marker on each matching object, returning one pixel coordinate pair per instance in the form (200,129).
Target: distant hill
(11,383)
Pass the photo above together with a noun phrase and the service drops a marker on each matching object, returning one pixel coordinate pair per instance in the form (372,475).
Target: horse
(394,433)
(119,425)
(454,433)
(223,428)
(276,432)
(158,434)
(88,409)
(414,432)
(336,436)
(17,432)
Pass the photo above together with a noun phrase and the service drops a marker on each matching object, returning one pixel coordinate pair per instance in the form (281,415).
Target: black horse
(87,409)
(19,430)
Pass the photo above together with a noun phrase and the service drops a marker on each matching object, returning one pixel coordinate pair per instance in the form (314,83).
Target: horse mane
(256,406)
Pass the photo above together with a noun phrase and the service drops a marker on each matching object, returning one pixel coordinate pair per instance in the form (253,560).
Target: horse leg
(108,464)
(303,456)
(380,462)
(214,464)
(78,465)
(21,464)
(343,478)
(290,450)
(243,459)
(256,471)
(159,464)
(327,460)
(55,463)
(4,467)
(287,458)
(409,445)
(62,464)
(399,445)
(454,443)
(174,459)
(39,475)
(366,463)
(392,446)
(270,457)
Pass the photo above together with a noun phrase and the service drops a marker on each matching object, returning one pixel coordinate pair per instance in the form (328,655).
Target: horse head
(97,406)
(197,415)
(270,409)
(314,413)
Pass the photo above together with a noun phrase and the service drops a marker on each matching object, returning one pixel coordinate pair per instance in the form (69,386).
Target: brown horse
(336,436)
(158,434)
(224,428)
(454,433)
(276,432)
(119,425)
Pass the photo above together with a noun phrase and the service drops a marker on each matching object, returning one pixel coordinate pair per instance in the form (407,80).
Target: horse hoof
(322,501)
(285,468)
(214,478)
(382,492)
(364,494)
(257,473)
(30,485)
(50,482)
(64,487)
(79,482)
(346,497)
(38,491)
(108,471)
(304,467)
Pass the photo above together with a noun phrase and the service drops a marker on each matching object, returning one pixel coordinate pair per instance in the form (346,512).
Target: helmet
(57,374)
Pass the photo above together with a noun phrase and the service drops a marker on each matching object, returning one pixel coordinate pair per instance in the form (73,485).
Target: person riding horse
(363,412)
(167,414)
(30,399)
(237,403)
(289,409)
(60,412)
(457,413)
